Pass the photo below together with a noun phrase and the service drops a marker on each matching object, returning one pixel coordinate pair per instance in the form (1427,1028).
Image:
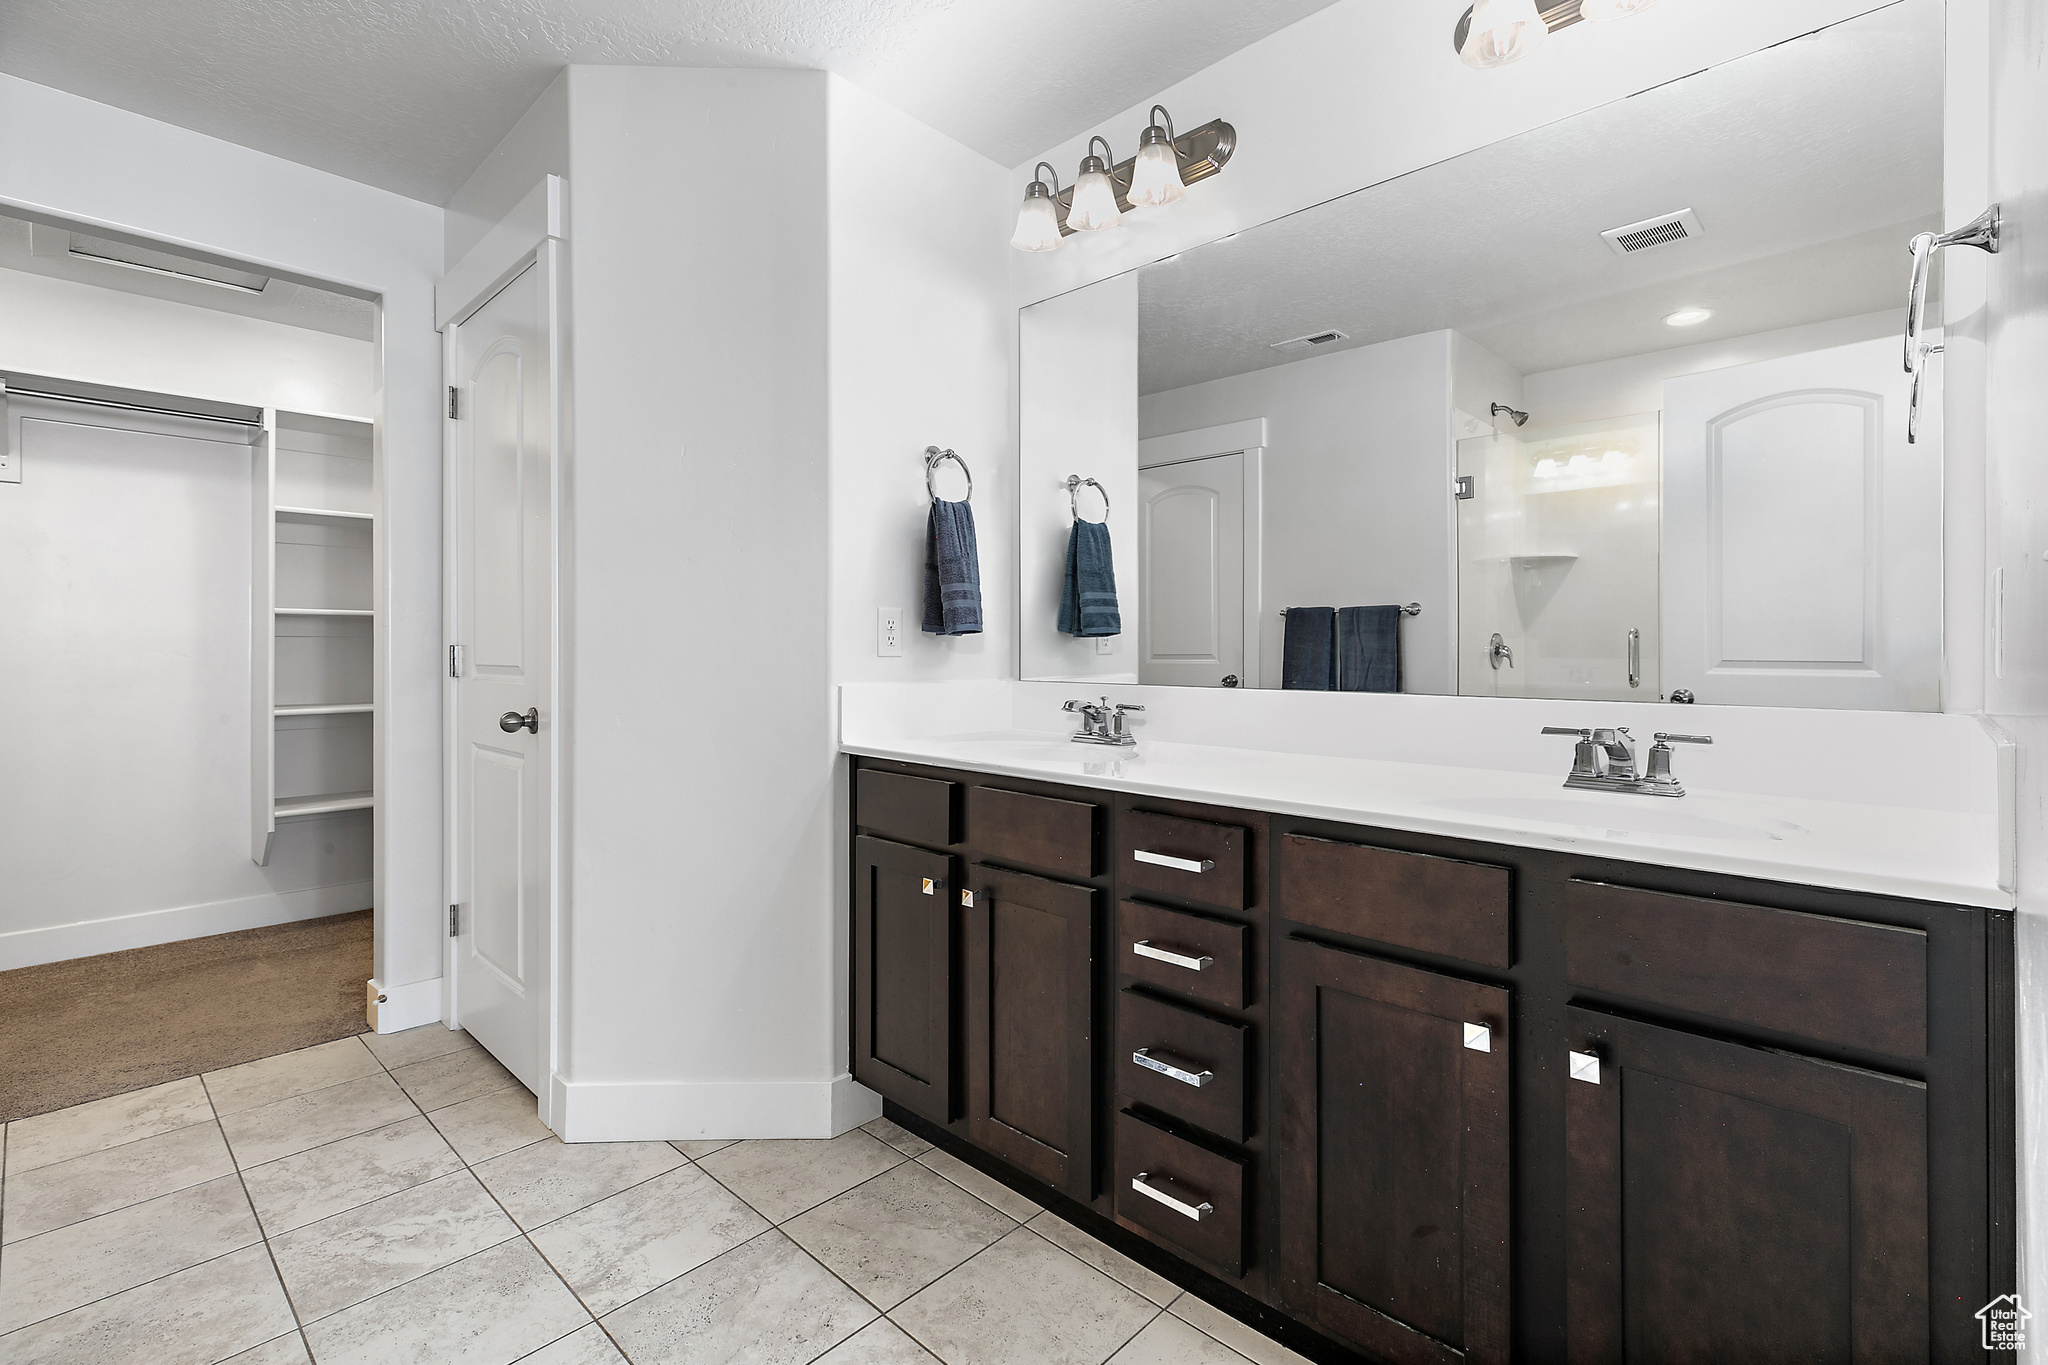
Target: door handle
(1146,1058)
(1145,947)
(1142,855)
(512,722)
(1142,1183)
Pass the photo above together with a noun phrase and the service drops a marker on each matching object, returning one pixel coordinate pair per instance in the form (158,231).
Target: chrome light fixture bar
(1495,32)
(1165,165)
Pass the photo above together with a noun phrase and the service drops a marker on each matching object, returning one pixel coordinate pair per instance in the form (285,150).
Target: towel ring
(1075,483)
(932,456)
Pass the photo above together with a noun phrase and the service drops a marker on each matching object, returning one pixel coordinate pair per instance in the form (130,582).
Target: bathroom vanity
(1444,1098)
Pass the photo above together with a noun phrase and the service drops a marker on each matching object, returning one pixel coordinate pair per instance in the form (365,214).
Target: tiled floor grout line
(291,1306)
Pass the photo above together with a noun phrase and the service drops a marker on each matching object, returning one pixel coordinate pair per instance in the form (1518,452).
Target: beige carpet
(96,1026)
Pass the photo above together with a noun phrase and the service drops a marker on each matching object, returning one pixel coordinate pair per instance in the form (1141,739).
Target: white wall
(1357,506)
(66,157)
(71,330)
(701,914)
(1370,89)
(1077,356)
(537,146)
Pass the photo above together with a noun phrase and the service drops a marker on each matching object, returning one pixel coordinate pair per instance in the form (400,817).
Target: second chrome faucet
(1604,760)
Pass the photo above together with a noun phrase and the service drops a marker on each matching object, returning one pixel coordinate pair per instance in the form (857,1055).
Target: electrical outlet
(1105,644)
(889,632)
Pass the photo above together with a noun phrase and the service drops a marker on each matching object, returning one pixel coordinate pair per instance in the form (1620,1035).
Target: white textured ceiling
(411,95)
(1809,166)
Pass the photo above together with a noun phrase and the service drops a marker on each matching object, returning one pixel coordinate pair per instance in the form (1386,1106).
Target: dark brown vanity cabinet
(1443,1101)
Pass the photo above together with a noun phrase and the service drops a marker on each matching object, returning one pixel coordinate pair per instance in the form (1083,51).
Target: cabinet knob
(1479,1037)
(1585,1067)
(928,884)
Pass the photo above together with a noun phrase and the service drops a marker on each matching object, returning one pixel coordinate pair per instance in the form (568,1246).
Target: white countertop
(1942,855)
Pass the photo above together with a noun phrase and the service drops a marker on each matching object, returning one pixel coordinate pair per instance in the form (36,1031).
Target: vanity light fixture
(1688,317)
(1038,220)
(1495,32)
(1155,177)
(1166,164)
(1094,206)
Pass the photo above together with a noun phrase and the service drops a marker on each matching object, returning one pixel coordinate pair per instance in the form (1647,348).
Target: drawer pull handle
(1144,947)
(1143,1057)
(1585,1067)
(1197,1212)
(1168,860)
(1479,1037)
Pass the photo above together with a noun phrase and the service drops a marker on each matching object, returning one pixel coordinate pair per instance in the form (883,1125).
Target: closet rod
(127,407)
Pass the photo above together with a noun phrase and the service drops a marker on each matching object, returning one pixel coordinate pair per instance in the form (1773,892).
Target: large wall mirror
(1613,409)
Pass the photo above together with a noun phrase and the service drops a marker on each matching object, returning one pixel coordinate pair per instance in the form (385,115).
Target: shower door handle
(1635,658)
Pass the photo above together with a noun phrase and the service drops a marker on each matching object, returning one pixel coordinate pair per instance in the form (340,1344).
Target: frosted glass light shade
(1038,225)
(1094,207)
(1600,11)
(1502,31)
(1155,179)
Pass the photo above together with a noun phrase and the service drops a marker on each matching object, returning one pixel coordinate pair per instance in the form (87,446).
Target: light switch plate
(889,632)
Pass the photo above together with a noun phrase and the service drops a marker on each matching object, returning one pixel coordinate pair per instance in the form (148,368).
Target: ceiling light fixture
(1038,218)
(1103,192)
(1155,177)
(1688,317)
(1495,32)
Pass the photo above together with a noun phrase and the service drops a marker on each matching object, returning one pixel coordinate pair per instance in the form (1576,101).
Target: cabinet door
(1030,1026)
(1394,1156)
(903,975)
(1729,1203)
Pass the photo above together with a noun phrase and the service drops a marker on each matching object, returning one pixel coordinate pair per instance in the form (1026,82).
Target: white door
(1191,573)
(503,453)
(1802,535)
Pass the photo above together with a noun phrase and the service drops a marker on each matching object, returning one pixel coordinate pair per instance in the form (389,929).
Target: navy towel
(1308,655)
(1369,649)
(1088,597)
(952,571)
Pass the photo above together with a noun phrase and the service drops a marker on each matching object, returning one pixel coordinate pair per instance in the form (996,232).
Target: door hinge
(453,407)
(454,921)
(455,661)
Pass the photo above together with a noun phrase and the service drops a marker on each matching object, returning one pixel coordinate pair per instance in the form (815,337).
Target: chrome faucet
(1102,723)
(1604,760)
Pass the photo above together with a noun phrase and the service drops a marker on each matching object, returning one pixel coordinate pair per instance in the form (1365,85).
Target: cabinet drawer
(1191,859)
(1193,1066)
(1036,831)
(1832,980)
(917,810)
(1410,900)
(1205,1217)
(1188,954)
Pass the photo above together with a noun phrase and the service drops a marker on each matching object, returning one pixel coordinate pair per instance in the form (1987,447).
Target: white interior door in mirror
(1802,535)
(1191,557)
(502,473)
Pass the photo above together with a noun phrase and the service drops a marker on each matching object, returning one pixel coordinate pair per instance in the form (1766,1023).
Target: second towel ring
(1075,483)
(932,456)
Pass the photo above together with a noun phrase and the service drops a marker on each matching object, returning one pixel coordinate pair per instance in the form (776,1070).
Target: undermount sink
(1024,749)
(1611,814)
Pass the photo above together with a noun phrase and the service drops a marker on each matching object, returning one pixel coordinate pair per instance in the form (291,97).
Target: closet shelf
(325,516)
(325,611)
(288,806)
(348,708)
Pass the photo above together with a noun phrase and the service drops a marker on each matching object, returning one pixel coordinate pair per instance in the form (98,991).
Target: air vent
(1324,338)
(1663,230)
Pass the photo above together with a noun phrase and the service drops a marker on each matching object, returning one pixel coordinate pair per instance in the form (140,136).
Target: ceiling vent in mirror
(1323,338)
(109,252)
(1662,230)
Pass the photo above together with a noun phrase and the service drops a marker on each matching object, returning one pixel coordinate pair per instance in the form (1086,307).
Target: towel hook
(932,456)
(1074,484)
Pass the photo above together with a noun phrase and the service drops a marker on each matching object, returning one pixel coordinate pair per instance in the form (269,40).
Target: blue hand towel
(1308,653)
(952,571)
(1369,649)
(1088,598)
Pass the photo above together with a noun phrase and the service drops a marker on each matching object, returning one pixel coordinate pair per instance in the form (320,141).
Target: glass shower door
(1557,562)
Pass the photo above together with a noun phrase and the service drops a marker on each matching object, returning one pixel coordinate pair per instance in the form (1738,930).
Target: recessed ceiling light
(1688,317)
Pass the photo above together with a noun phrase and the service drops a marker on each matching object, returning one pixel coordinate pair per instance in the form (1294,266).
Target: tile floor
(395,1200)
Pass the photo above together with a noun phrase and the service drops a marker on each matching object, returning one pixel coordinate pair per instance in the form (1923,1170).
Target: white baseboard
(88,938)
(408,1006)
(654,1111)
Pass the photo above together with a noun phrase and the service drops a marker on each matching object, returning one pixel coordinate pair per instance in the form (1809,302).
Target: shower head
(1521,418)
